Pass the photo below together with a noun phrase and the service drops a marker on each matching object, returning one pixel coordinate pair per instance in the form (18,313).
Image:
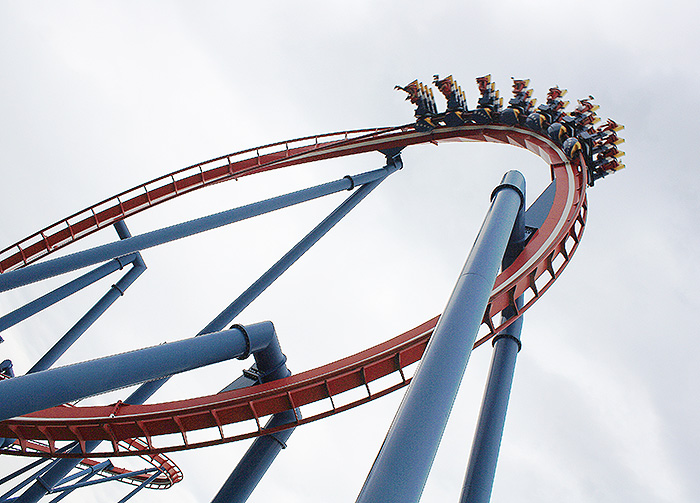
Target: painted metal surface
(481,468)
(270,365)
(414,436)
(367,182)
(48,388)
(64,291)
(127,245)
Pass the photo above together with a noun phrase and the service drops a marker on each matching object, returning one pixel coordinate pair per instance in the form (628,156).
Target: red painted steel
(170,473)
(545,256)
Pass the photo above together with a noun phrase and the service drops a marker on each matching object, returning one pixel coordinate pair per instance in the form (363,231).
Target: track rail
(210,420)
(169,474)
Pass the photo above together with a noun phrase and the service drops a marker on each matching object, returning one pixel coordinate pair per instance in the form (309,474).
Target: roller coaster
(37,416)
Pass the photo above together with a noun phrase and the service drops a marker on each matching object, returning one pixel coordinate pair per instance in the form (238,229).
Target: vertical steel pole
(401,468)
(271,364)
(481,470)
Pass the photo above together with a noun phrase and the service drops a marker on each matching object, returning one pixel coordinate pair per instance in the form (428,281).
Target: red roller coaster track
(164,427)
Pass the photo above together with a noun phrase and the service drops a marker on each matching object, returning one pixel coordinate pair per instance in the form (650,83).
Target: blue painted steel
(24,469)
(65,493)
(270,365)
(24,483)
(137,489)
(116,291)
(481,470)
(235,308)
(259,286)
(65,342)
(6,368)
(538,211)
(92,469)
(254,337)
(49,388)
(50,268)
(107,479)
(401,468)
(60,293)
(61,467)
(56,471)
(255,462)
(261,340)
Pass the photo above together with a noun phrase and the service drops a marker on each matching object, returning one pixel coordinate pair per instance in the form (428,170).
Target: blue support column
(61,467)
(116,291)
(270,365)
(49,388)
(65,342)
(60,293)
(401,468)
(85,258)
(28,480)
(261,341)
(481,470)
(86,475)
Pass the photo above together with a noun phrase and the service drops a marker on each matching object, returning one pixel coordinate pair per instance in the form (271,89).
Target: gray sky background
(98,97)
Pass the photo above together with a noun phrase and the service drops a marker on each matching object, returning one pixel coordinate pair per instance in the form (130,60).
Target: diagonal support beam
(116,291)
(401,468)
(60,293)
(234,309)
(85,258)
(49,388)
(481,470)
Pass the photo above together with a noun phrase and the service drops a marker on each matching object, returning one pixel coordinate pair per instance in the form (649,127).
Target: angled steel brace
(96,255)
(138,266)
(412,440)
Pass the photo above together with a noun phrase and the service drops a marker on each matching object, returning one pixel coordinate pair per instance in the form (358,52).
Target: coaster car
(520,105)
(547,113)
(456,113)
(489,104)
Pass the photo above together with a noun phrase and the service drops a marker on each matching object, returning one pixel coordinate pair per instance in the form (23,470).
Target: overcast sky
(99,97)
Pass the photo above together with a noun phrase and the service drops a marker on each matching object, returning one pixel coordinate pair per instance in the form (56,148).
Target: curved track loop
(209,420)
(170,473)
